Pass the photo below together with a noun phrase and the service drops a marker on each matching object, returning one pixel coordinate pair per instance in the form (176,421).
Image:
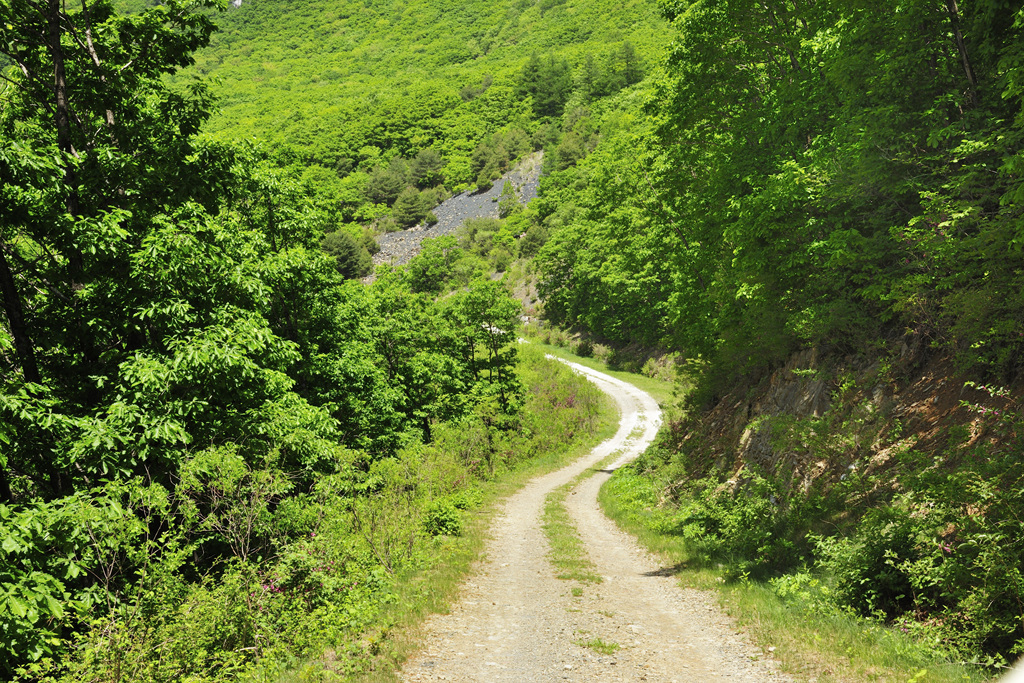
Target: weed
(598,645)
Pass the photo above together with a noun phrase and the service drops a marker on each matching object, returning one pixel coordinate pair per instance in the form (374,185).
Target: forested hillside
(369,98)
(220,452)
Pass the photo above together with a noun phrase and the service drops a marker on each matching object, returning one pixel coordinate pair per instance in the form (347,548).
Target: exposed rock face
(823,417)
(792,390)
(399,247)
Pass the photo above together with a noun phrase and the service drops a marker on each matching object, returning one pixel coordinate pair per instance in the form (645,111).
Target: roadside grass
(826,648)
(665,393)
(431,590)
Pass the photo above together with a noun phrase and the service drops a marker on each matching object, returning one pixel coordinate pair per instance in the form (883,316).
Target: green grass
(824,648)
(598,645)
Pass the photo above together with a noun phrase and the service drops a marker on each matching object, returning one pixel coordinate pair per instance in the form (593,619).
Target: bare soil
(515,621)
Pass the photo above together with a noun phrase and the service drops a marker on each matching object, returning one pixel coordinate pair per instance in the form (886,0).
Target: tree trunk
(16,319)
(961,46)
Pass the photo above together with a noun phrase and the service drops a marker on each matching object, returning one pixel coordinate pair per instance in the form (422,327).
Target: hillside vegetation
(818,206)
(221,454)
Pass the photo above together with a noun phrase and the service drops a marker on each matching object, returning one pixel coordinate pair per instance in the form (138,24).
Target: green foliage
(386,183)
(615,70)
(945,550)
(351,258)
(425,168)
(385,81)
(779,185)
(746,521)
(547,81)
(218,450)
(532,240)
(410,207)
(508,203)
(481,235)
(442,519)
(429,270)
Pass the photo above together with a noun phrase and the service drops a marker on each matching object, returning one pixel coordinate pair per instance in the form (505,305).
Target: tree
(410,207)
(387,182)
(95,146)
(487,317)
(425,168)
(435,263)
(351,258)
(549,81)
(420,353)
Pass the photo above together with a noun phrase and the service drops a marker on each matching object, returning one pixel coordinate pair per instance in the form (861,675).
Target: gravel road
(516,622)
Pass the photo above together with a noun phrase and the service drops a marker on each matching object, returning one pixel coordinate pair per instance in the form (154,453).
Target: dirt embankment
(871,407)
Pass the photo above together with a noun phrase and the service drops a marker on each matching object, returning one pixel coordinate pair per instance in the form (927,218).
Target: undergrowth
(913,559)
(362,555)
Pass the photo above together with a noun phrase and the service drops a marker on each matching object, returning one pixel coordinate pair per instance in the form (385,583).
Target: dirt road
(516,622)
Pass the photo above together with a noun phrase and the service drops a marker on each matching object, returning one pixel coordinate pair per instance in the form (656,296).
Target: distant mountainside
(339,83)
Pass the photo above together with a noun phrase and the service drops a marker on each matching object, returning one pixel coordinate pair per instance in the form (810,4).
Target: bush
(531,242)
(866,567)
(508,203)
(500,259)
(746,522)
(485,181)
(442,518)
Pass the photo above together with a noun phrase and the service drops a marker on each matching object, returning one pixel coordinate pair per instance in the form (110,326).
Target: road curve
(515,621)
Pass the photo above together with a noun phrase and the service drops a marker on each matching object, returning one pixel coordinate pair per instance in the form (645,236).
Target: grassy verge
(432,588)
(812,646)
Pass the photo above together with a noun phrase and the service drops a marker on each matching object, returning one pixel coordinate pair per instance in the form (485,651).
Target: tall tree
(93,146)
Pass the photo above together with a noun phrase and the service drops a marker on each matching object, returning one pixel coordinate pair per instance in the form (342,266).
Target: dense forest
(214,436)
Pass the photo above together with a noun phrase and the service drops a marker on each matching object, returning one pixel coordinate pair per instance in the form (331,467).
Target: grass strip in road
(567,553)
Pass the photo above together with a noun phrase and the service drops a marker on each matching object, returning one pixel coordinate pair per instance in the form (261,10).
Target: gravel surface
(398,247)
(516,622)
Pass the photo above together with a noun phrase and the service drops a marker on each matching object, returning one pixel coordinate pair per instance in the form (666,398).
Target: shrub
(442,518)
(747,522)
